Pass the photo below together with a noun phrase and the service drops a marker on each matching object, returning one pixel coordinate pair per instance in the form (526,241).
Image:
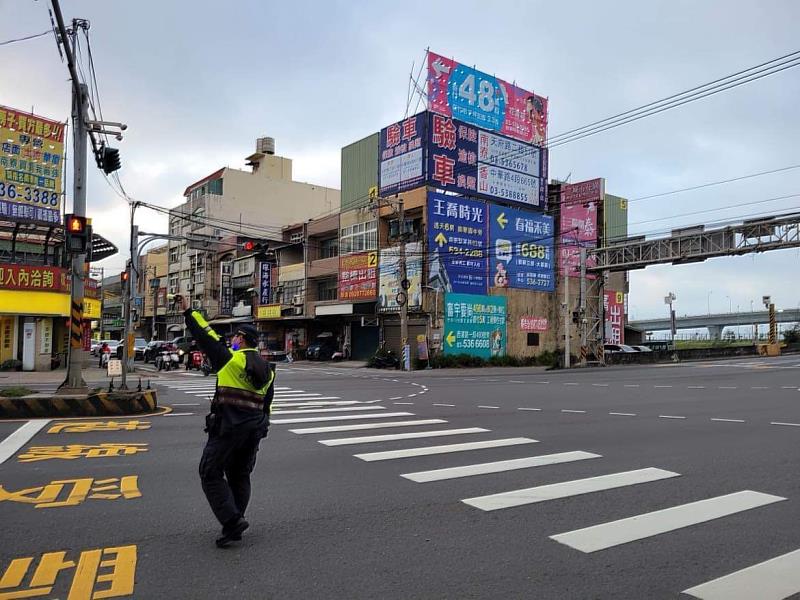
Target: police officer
(238,420)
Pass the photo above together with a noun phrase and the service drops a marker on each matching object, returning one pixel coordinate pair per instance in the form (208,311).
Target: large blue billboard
(402,155)
(520,249)
(475,325)
(457,243)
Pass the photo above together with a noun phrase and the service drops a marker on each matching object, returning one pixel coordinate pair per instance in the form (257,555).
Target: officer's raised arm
(209,340)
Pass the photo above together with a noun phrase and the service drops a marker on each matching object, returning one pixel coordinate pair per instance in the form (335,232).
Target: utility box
(769,349)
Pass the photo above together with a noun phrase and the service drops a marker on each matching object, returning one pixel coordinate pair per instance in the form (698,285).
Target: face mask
(235,346)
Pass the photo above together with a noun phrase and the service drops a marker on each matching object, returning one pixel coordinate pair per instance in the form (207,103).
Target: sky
(197,81)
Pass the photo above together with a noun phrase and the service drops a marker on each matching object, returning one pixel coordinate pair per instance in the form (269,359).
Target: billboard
(457,157)
(480,99)
(579,203)
(358,276)
(389,279)
(34,278)
(520,249)
(401,159)
(614,310)
(475,325)
(457,244)
(31,162)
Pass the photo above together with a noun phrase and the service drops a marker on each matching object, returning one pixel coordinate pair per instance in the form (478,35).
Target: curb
(95,404)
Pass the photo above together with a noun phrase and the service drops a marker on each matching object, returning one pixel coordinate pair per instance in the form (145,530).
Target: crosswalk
(775,578)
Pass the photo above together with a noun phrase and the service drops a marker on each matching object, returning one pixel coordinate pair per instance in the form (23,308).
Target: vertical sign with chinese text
(358,276)
(457,231)
(579,203)
(225,288)
(401,161)
(475,325)
(614,309)
(265,283)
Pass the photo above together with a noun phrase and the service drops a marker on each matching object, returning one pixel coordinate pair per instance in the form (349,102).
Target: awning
(227,320)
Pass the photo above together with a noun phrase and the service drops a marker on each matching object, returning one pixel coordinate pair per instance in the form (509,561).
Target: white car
(619,349)
(642,348)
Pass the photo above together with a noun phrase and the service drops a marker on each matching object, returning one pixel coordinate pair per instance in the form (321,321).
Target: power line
(26,38)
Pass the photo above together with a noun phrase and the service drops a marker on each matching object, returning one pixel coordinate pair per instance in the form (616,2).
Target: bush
(792,336)
(16,392)
(11,365)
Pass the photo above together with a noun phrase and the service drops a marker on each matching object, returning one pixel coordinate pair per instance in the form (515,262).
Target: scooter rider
(239,419)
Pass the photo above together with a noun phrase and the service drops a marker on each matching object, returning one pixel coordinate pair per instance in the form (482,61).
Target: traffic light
(109,160)
(77,234)
(123,277)
(257,248)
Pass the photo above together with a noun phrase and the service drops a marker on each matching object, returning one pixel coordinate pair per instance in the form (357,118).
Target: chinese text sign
(520,249)
(475,325)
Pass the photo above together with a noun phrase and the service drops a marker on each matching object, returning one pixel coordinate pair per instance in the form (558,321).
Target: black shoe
(232,533)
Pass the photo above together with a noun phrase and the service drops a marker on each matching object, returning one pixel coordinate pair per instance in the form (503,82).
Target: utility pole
(74,382)
(128,303)
(567,336)
(404,285)
(155,283)
(668,300)
(582,313)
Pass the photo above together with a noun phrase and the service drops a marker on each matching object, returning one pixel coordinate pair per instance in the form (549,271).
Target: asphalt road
(703,455)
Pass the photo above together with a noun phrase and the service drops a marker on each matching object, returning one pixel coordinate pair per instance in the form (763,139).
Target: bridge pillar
(715,331)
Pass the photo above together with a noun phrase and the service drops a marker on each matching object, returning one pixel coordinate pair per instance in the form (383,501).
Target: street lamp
(668,300)
(708,301)
(730,304)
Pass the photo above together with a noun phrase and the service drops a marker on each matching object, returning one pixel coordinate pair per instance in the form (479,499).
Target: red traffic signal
(76,224)
(248,246)
(123,277)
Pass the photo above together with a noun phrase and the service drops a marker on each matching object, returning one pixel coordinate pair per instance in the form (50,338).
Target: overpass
(715,323)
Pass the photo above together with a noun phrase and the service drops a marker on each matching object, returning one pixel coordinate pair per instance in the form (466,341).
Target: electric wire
(26,38)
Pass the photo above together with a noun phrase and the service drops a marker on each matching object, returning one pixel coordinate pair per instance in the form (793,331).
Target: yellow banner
(270,311)
(31,162)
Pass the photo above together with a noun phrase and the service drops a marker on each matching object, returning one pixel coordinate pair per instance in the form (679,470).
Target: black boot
(232,532)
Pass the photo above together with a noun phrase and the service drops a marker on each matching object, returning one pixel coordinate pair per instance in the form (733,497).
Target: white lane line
(729,420)
(434,404)
(619,414)
(572,384)
(288,391)
(186,404)
(788,387)
(568,489)
(515,381)
(401,436)
(614,533)
(662,386)
(315,403)
(599,385)
(338,418)
(362,426)
(772,579)
(542,382)
(411,396)
(326,410)
(696,387)
(404,403)
(759,387)
(479,406)
(787,424)
(498,466)
(209,395)
(299,398)
(727,387)
(396,398)
(631,385)
(20,437)
(174,414)
(525,408)
(670,417)
(296,393)
(446,449)
(565,410)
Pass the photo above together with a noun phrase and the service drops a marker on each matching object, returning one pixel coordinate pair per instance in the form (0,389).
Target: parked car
(322,348)
(619,349)
(642,348)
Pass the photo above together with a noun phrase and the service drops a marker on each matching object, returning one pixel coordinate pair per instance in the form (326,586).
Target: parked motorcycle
(386,360)
(167,360)
(194,360)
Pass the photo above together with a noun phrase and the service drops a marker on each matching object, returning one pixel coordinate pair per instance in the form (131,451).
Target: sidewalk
(328,364)
(90,374)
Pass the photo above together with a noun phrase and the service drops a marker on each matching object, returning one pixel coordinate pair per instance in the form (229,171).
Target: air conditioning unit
(297,300)
(297,310)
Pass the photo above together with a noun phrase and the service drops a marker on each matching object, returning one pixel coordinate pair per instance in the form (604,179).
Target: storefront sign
(480,99)
(36,278)
(270,311)
(457,244)
(529,323)
(401,154)
(521,249)
(31,159)
(389,288)
(264,288)
(474,325)
(225,288)
(614,308)
(358,276)
(45,336)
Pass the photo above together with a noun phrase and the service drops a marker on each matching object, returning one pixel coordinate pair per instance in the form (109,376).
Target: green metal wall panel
(359,171)
(615,218)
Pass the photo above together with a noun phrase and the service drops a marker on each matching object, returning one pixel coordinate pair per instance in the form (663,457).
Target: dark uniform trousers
(225,467)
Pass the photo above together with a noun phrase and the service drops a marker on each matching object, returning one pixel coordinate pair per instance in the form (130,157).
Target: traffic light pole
(127,337)
(403,278)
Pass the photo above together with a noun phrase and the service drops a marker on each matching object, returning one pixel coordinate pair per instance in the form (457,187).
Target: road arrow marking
(440,239)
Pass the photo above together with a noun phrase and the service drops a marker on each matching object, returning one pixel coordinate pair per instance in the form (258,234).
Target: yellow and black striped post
(773,325)
(76,326)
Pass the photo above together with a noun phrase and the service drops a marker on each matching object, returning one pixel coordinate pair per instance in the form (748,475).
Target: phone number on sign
(29,194)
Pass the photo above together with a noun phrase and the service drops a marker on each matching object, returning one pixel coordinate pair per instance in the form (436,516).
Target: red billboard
(358,276)
(579,227)
(34,278)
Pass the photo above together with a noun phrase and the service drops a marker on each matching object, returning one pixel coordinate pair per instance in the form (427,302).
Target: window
(215,187)
(533,339)
(296,237)
(173,254)
(292,289)
(173,284)
(174,225)
(185,274)
(199,274)
(329,248)
(359,237)
(327,289)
